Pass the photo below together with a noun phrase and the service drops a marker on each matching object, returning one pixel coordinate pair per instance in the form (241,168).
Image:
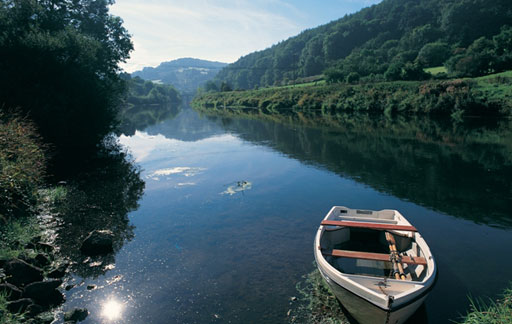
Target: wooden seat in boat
(374,256)
(376,226)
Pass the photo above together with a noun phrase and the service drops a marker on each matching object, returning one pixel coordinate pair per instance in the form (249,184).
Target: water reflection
(100,198)
(462,169)
(199,256)
(140,116)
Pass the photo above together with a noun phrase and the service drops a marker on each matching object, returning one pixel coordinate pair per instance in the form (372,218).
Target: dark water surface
(225,227)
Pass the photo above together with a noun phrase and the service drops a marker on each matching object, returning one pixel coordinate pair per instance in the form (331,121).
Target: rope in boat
(390,298)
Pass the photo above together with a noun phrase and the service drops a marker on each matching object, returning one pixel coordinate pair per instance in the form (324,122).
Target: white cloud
(219,30)
(214,30)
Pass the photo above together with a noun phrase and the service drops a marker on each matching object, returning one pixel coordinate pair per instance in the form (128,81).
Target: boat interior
(372,248)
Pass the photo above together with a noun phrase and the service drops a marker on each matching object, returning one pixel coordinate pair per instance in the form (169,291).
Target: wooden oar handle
(395,257)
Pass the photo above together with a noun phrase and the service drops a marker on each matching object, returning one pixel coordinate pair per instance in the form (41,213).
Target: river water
(223,230)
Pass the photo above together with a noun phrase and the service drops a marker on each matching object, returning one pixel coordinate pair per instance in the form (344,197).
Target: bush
(22,163)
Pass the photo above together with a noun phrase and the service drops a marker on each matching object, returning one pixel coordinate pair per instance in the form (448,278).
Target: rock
(34,309)
(20,305)
(48,248)
(55,298)
(98,243)
(12,292)
(91,287)
(38,289)
(41,260)
(36,239)
(69,287)
(44,292)
(76,315)
(45,318)
(30,246)
(59,272)
(20,273)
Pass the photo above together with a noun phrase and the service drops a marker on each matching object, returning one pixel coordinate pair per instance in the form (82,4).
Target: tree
(478,59)
(211,86)
(433,54)
(503,49)
(353,77)
(394,71)
(59,61)
(225,87)
(334,75)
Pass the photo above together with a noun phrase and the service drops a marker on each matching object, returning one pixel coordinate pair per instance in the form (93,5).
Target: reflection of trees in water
(463,169)
(99,198)
(138,117)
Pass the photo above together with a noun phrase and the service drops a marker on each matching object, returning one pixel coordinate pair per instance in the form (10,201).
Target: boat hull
(374,299)
(367,313)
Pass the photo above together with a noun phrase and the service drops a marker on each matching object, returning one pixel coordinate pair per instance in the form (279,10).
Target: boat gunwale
(424,286)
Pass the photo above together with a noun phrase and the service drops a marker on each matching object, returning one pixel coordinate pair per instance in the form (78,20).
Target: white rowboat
(376,263)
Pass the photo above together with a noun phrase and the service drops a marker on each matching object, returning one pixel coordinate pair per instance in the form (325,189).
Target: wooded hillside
(393,40)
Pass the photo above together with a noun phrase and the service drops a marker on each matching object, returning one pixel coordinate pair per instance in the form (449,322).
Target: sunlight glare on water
(112,310)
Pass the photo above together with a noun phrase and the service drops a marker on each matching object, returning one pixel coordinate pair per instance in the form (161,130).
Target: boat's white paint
(367,287)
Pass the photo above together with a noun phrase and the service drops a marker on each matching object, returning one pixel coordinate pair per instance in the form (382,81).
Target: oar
(395,258)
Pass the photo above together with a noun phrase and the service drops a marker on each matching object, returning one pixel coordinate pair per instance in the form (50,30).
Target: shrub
(22,162)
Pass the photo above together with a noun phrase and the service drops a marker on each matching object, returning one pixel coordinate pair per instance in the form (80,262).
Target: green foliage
(334,75)
(59,62)
(411,97)
(317,303)
(436,70)
(146,103)
(211,86)
(225,87)
(499,312)
(22,164)
(7,317)
(484,56)
(353,77)
(434,54)
(15,234)
(369,42)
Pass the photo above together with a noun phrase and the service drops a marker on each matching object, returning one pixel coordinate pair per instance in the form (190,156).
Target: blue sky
(219,30)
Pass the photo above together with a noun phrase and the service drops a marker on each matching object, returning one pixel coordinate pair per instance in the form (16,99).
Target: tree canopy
(392,40)
(59,61)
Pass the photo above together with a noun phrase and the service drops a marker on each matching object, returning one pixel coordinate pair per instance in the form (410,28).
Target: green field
(436,70)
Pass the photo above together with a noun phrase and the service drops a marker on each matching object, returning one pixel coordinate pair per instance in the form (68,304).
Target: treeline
(146,103)
(489,95)
(59,61)
(142,92)
(393,40)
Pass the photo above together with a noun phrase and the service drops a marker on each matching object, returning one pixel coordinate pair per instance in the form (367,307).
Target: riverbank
(483,96)
(31,268)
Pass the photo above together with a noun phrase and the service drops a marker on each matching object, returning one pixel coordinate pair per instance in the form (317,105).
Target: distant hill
(392,40)
(185,74)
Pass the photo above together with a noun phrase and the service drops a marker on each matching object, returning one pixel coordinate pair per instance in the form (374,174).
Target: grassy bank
(23,235)
(499,312)
(490,95)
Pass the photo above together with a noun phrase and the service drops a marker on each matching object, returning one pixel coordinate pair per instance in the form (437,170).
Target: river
(224,228)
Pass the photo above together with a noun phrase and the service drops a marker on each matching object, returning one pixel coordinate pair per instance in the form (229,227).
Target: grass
(5,316)
(499,312)
(316,304)
(22,163)
(436,70)
(15,235)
